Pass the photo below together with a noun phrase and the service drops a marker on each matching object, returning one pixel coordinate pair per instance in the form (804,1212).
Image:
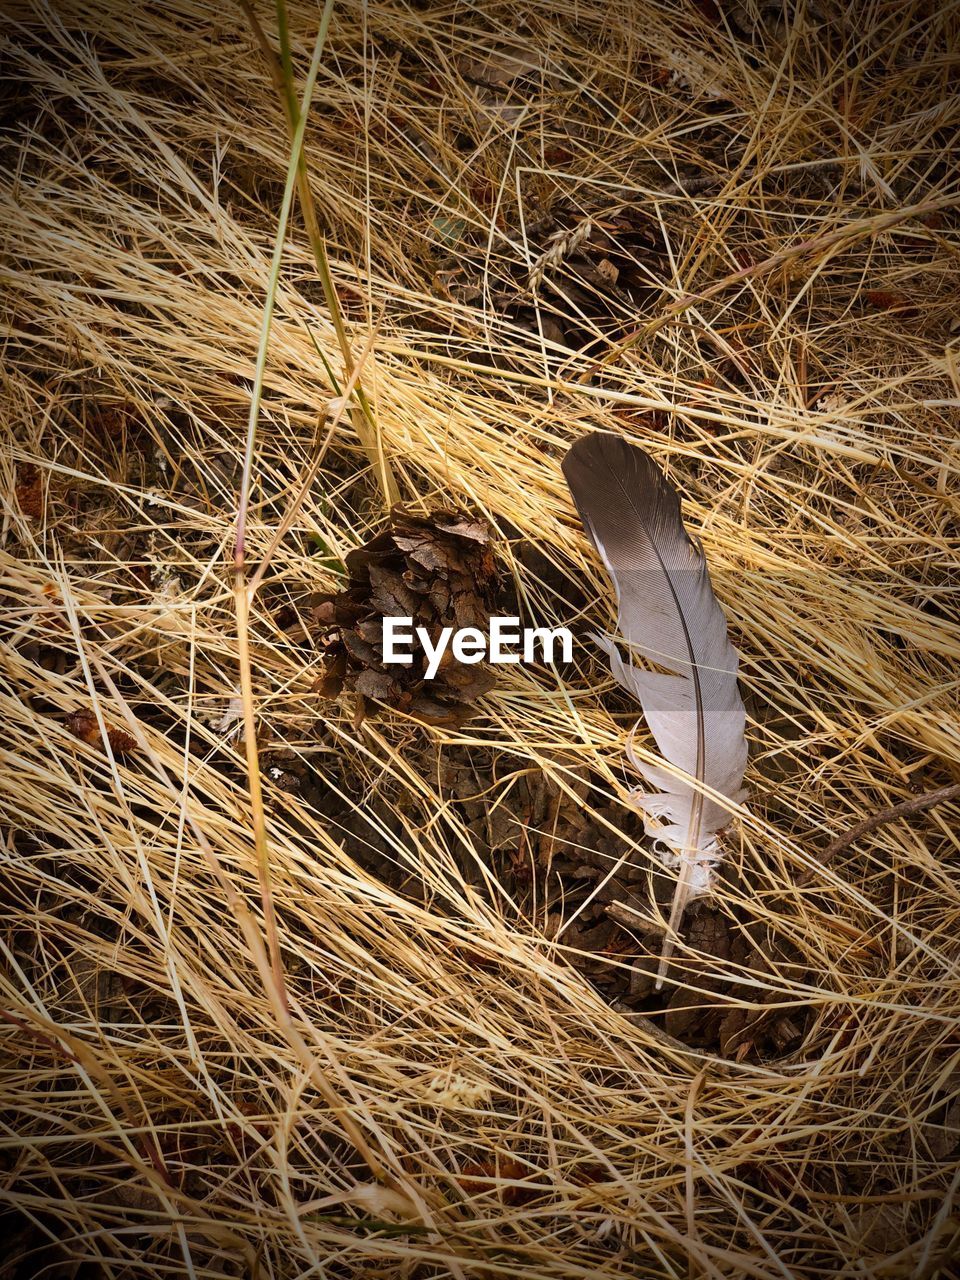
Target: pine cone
(438,570)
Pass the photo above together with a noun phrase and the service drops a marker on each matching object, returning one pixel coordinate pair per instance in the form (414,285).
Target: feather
(669,616)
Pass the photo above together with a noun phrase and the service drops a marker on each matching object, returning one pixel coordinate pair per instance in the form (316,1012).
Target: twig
(631,918)
(906,808)
(850,231)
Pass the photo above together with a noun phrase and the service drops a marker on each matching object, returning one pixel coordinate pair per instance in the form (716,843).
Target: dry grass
(162,1113)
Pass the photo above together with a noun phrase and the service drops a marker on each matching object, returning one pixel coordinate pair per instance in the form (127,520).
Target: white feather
(668,616)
